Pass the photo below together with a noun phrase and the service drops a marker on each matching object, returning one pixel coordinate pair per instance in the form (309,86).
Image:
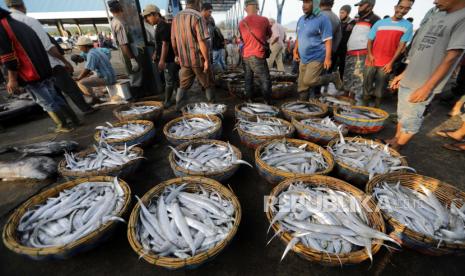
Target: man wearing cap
(347,25)
(164,54)
(314,49)
(124,40)
(255,31)
(357,49)
(61,68)
(98,61)
(25,59)
(189,36)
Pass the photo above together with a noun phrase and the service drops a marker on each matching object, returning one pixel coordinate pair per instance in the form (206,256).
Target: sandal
(445,134)
(454,147)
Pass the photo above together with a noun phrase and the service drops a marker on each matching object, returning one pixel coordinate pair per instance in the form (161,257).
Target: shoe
(180,99)
(210,95)
(337,80)
(168,95)
(61,126)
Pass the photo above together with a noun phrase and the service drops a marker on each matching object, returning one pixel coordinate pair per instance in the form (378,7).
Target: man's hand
(327,64)
(420,95)
(12,86)
(387,68)
(134,65)
(176,60)
(395,83)
(370,60)
(161,66)
(205,66)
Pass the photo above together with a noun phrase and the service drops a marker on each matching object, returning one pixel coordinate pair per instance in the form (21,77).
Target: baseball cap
(372,2)
(149,9)
(10,3)
(84,41)
(114,4)
(250,2)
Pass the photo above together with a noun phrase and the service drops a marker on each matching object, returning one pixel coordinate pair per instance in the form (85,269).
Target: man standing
(326,9)
(27,63)
(189,36)
(314,48)
(347,25)
(206,11)
(61,68)
(277,45)
(255,30)
(164,55)
(435,52)
(386,42)
(124,41)
(357,49)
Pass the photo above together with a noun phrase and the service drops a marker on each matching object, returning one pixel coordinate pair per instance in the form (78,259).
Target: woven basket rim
(183,146)
(375,218)
(214,118)
(238,110)
(149,124)
(372,109)
(298,124)
(326,155)
(175,263)
(122,118)
(393,153)
(292,114)
(9,231)
(245,133)
(67,172)
(442,186)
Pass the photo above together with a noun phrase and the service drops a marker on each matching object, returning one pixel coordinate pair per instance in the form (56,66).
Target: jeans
(374,76)
(254,65)
(410,115)
(69,87)
(45,95)
(218,59)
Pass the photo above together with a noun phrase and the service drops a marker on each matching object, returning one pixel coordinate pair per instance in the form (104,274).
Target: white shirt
(39,30)
(279,32)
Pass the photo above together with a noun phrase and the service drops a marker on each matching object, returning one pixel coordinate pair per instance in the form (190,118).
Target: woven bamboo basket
(315,135)
(274,175)
(221,175)
(237,89)
(152,116)
(197,260)
(374,217)
(11,240)
(300,116)
(356,176)
(409,238)
(118,171)
(282,76)
(246,116)
(143,139)
(252,141)
(362,126)
(185,112)
(332,106)
(214,133)
(288,89)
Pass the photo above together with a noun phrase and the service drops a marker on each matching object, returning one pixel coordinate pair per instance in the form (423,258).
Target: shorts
(309,75)
(410,114)
(187,76)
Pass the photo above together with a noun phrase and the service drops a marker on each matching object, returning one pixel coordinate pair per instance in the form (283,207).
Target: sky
(293,9)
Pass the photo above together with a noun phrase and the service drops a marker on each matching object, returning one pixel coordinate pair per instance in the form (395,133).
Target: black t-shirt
(163,33)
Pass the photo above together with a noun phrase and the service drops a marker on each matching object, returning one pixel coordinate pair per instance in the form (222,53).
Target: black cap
(112,4)
(4,13)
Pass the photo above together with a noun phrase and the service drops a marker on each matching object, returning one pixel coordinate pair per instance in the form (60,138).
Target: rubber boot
(61,126)
(336,79)
(210,95)
(69,114)
(180,99)
(378,101)
(168,94)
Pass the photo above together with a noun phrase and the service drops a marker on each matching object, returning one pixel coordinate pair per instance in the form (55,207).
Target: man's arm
(296,51)
(421,94)
(329,51)
(173,39)
(370,58)
(204,51)
(400,49)
(127,51)
(56,54)
(163,55)
(85,73)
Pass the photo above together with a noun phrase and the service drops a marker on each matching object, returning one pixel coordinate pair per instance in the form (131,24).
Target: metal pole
(108,13)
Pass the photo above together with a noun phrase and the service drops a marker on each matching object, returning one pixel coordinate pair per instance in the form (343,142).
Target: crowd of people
(361,56)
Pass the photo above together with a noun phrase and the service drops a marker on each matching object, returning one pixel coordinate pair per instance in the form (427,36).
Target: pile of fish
(182,224)
(259,109)
(15,104)
(356,113)
(71,215)
(191,127)
(367,156)
(207,158)
(45,148)
(205,109)
(422,212)
(332,101)
(287,157)
(105,156)
(139,109)
(326,220)
(264,127)
(125,131)
(304,108)
(281,85)
(325,124)
(39,167)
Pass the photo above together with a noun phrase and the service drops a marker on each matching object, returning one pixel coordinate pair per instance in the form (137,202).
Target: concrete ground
(248,253)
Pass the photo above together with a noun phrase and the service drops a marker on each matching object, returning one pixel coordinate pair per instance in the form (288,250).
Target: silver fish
(46,148)
(205,108)
(127,130)
(260,109)
(359,113)
(326,124)
(335,101)
(264,127)
(39,167)
(139,109)
(191,127)
(304,108)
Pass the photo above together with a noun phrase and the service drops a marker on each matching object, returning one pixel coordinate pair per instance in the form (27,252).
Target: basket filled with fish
(103,160)
(358,159)
(191,127)
(422,213)
(303,110)
(337,101)
(285,158)
(214,159)
(148,110)
(317,130)
(204,109)
(283,89)
(361,119)
(67,219)
(137,132)
(250,111)
(184,222)
(326,220)
(253,133)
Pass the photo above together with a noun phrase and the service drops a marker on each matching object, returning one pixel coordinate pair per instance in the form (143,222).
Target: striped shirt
(99,62)
(188,28)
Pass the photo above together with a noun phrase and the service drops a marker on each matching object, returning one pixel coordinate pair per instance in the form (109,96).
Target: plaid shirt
(188,28)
